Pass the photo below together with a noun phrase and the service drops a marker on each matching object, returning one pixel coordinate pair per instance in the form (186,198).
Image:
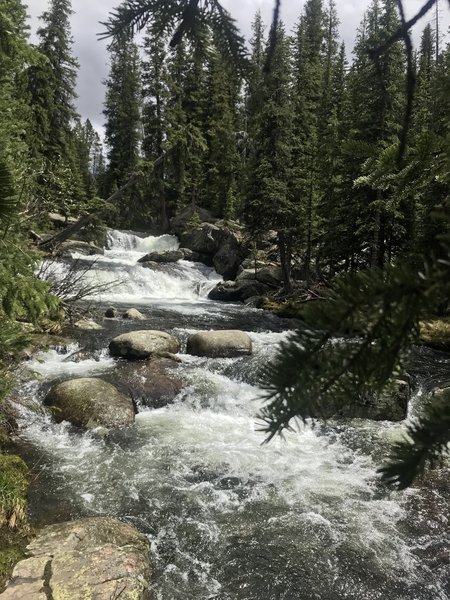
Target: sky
(93,58)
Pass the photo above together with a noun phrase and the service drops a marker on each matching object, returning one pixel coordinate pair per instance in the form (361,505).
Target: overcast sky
(93,57)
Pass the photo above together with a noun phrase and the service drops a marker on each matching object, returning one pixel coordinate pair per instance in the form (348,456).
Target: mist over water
(227,517)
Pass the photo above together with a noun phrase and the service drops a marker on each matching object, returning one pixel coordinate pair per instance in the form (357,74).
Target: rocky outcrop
(142,344)
(96,558)
(219,344)
(89,403)
(133,314)
(237,291)
(222,243)
(170,256)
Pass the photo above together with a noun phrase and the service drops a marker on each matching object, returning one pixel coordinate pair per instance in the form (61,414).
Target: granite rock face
(96,558)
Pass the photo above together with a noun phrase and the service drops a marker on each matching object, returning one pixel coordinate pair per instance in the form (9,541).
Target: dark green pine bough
(358,339)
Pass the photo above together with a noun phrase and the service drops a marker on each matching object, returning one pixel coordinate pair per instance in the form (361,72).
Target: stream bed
(227,517)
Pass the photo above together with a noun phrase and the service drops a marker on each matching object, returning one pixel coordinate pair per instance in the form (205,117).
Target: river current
(227,517)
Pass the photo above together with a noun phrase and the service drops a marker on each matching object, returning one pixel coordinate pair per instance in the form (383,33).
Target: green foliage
(188,19)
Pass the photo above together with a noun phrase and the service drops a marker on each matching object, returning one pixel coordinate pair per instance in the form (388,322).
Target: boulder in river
(171,256)
(66,248)
(111,313)
(133,314)
(90,402)
(96,557)
(219,344)
(154,383)
(143,343)
(237,291)
(87,325)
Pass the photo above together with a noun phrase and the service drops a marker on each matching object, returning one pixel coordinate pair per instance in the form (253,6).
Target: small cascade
(117,276)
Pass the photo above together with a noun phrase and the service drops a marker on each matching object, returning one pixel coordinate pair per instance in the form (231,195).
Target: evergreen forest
(341,156)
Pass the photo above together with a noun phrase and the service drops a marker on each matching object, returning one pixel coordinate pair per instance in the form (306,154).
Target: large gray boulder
(90,402)
(237,291)
(133,314)
(222,244)
(142,344)
(171,256)
(219,344)
(96,558)
(270,275)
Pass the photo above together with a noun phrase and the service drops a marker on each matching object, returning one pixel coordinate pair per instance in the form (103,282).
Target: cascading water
(228,518)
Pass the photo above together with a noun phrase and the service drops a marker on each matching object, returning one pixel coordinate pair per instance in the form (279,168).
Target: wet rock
(89,402)
(142,344)
(93,558)
(111,313)
(153,384)
(219,344)
(237,291)
(87,325)
(171,256)
(133,314)
(192,256)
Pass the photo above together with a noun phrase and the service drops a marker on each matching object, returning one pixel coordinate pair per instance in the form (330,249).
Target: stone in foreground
(219,344)
(89,402)
(142,344)
(87,325)
(96,558)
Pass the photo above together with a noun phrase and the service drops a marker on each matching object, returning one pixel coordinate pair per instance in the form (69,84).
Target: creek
(227,517)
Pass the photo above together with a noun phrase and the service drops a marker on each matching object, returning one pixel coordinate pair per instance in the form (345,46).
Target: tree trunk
(285,250)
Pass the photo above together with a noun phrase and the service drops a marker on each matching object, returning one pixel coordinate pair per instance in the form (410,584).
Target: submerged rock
(219,344)
(92,558)
(142,344)
(170,256)
(89,402)
(154,383)
(133,314)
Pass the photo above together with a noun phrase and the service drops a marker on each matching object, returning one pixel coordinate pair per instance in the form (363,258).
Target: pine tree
(270,202)
(307,93)
(123,124)
(220,189)
(155,97)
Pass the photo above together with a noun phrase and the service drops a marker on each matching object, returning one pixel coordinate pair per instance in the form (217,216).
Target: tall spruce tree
(270,202)
(308,77)
(122,110)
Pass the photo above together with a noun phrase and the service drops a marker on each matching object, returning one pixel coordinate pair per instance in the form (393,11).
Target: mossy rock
(436,333)
(90,403)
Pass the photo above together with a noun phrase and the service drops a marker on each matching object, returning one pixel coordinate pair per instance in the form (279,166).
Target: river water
(228,518)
